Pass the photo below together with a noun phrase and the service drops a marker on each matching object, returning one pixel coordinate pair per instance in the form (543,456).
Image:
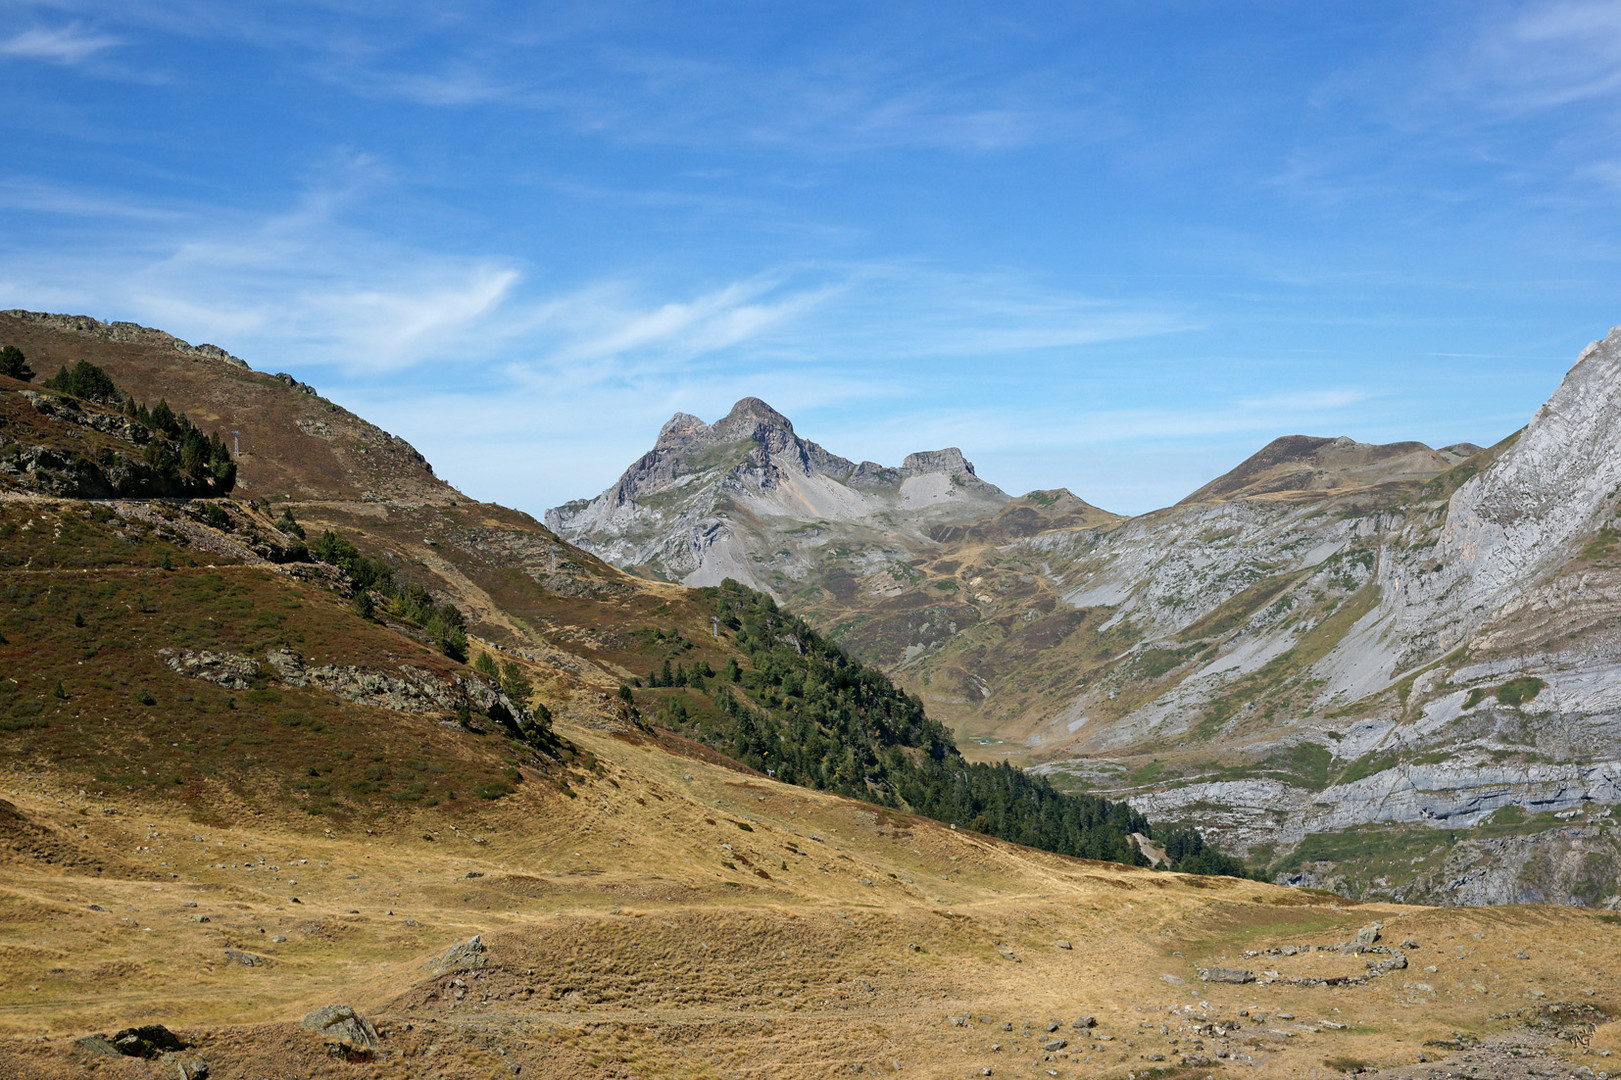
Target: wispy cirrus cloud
(70,44)
(1545,55)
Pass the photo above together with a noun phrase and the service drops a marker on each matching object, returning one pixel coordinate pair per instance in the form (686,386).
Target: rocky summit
(1389,670)
(747,498)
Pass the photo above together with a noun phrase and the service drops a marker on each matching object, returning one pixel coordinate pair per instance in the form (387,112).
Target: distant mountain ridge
(733,499)
(1330,638)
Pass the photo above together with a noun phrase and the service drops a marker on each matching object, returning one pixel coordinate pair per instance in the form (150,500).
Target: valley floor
(674,918)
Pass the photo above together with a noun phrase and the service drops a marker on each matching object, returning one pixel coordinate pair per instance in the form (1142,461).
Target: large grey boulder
(462,956)
(343,1023)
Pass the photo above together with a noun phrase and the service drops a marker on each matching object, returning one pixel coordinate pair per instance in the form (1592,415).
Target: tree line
(809,714)
(181,454)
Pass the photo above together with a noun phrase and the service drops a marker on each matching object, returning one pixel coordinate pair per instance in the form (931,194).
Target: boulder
(462,956)
(1364,939)
(344,1024)
(146,1041)
(1226,975)
(97,1046)
(246,959)
(1083,1023)
(187,1068)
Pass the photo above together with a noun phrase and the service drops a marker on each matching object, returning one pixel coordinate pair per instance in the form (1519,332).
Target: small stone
(279,938)
(1084,1022)
(201,918)
(1052,1045)
(246,959)
(1052,1025)
(1062,943)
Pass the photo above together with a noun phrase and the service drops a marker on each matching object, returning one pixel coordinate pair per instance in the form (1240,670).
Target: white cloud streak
(67,45)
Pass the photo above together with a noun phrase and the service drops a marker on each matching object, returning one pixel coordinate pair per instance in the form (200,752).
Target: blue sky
(1115,246)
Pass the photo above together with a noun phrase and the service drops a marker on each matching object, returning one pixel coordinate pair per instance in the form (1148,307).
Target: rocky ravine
(1334,638)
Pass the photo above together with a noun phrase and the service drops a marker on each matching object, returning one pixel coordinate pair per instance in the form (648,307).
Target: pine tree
(14,364)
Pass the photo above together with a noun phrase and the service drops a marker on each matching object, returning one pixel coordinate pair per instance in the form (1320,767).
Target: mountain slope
(289,441)
(433,569)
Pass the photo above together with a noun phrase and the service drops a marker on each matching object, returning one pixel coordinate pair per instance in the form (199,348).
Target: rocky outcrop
(462,956)
(230,670)
(126,331)
(343,1025)
(88,452)
(412,690)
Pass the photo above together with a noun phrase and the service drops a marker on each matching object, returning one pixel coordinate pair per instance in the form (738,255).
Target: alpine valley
(1389,671)
(312,766)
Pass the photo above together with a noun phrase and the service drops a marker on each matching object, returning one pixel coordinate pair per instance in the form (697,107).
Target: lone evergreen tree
(14,364)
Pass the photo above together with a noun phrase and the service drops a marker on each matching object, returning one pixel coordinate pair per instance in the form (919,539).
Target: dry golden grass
(638,929)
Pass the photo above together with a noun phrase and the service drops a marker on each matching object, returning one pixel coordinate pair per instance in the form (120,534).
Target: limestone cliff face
(748,498)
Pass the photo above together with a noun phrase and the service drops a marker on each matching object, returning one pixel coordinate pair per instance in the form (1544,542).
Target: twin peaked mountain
(747,498)
(1331,637)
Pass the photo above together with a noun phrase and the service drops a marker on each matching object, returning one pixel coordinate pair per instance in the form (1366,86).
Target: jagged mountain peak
(750,414)
(679,429)
(735,498)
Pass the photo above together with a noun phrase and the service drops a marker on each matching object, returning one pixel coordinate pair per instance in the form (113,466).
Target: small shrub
(1517,692)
